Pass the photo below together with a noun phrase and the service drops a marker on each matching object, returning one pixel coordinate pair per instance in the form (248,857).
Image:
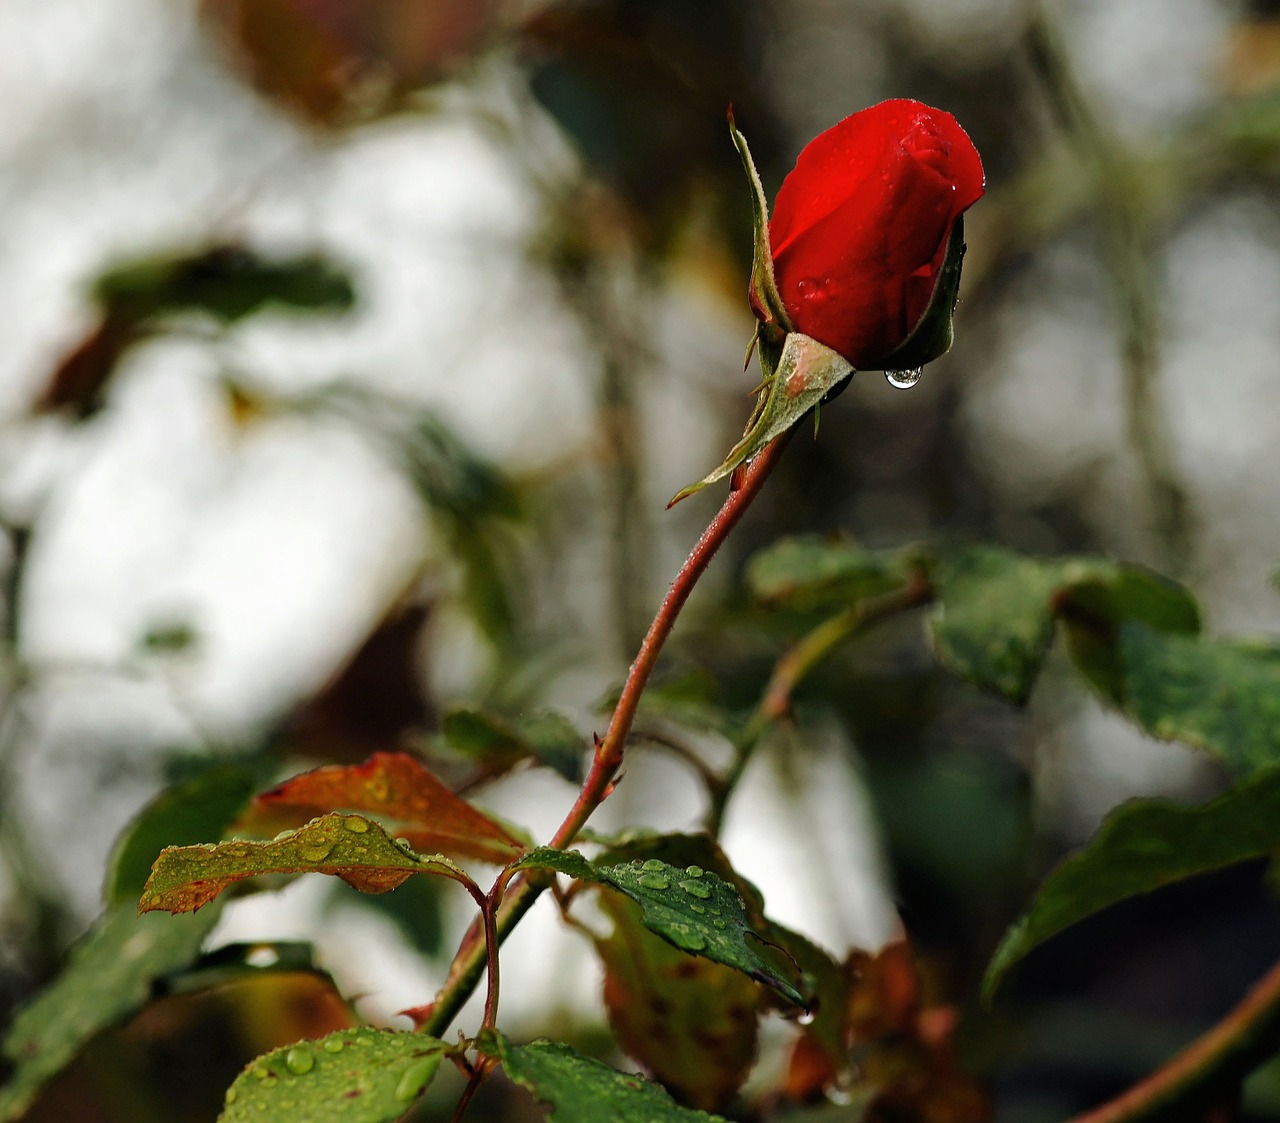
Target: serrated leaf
(691,908)
(109,974)
(201,808)
(692,1023)
(582,1090)
(806,372)
(1220,696)
(359,851)
(357,1075)
(503,742)
(810,572)
(993,620)
(1140,847)
(994,614)
(396,787)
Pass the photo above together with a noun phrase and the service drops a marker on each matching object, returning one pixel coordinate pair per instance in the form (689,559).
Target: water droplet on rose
(903,379)
(812,290)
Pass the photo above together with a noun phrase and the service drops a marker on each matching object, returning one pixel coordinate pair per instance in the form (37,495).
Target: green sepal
(932,336)
(795,382)
(764,289)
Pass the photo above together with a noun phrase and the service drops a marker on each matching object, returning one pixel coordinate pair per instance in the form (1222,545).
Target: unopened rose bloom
(861,226)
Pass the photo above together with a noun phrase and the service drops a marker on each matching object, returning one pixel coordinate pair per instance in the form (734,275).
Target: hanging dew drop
(903,379)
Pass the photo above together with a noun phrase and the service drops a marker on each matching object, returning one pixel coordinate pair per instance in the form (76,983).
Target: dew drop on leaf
(694,871)
(316,852)
(333,1045)
(903,379)
(654,881)
(653,866)
(356,826)
(299,1060)
(696,889)
(416,1077)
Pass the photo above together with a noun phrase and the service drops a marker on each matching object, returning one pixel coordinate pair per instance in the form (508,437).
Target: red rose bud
(867,237)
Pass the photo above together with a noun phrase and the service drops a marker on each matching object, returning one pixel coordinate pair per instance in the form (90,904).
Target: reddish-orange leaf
(360,852)
(395,787)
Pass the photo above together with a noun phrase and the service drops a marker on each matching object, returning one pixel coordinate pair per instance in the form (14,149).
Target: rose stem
(795,665)
(1223,1055)
(469,962)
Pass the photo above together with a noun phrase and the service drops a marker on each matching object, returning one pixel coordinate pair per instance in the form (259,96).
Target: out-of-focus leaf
(1221,696)
(642,89)
(809,573)
(501,742)
(582,1090)
(335,62)
(395,787)
(110,974)
(452,477)
(1101,600)
(994,618)
(362,1075)
(79,382)
(360,852)
(228,282)
(1140,847)
(994,614)
(690,908)
(692,1023)
(377,698)
(201,808)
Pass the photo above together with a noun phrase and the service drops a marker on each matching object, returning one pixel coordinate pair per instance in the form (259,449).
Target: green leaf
(806,573)
(1140,847)
(1221,696)
(806,372)
(544,736)
(582,1090)
(228,282)
(357,1075)
(109,975)
(692,1023)
(347,846)
(994,614)
(690,908)
(198,809)
(993,619)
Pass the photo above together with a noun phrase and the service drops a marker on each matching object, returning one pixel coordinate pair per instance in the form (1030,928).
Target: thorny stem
(470,960)
(795,665)
(1210,1067)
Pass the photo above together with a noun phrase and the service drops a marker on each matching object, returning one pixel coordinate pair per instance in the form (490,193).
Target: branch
(1218,1060)
(469,962)
(794,666)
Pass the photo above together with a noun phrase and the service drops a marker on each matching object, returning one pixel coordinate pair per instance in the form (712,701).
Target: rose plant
(858,267)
